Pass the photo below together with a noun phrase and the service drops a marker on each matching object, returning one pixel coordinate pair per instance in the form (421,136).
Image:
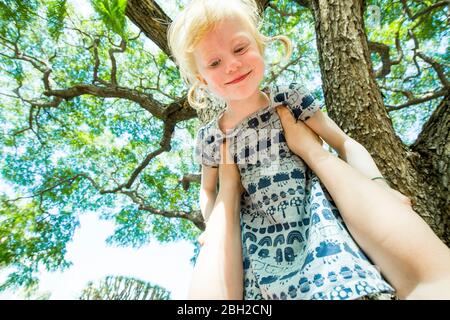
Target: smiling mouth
(239,79)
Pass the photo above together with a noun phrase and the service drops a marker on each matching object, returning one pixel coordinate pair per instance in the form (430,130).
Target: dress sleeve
(297,98)
(207,145)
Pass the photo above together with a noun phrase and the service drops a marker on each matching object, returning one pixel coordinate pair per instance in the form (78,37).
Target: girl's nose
(233,65)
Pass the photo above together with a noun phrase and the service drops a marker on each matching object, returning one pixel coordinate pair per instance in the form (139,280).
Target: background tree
(94,114)
(123,288)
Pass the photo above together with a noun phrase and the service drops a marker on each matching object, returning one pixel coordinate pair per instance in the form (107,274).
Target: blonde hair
(200,17)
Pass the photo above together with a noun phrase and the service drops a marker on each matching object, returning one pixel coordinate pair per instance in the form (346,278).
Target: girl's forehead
(224,33)
(225,38)
(221,41)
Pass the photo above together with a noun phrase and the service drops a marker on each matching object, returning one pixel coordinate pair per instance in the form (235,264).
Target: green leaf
(112,13)
(56,12)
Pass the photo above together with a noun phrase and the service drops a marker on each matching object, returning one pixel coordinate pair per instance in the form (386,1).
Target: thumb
(285,115)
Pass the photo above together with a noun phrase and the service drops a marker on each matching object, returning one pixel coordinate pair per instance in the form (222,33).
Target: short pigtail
(196,99)
(287,43)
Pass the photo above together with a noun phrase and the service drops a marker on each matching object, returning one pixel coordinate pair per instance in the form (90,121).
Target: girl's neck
(239,109)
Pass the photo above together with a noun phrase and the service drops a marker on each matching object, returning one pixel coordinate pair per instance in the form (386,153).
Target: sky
(166,265)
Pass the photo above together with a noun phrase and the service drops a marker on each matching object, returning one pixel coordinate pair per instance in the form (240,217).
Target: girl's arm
(409,254)
(348,149)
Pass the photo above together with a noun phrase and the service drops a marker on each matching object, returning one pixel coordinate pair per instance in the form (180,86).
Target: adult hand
(299,137)
(404,199)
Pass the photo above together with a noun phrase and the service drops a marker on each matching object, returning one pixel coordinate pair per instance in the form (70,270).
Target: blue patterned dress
(295,243)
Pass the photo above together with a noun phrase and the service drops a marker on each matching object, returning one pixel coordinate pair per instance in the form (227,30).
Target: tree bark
(354,101)
(433,148)
(148,16)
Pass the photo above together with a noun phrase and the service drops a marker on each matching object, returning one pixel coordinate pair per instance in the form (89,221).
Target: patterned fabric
(295,244)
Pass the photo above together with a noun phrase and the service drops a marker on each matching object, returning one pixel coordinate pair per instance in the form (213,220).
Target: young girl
(294,242)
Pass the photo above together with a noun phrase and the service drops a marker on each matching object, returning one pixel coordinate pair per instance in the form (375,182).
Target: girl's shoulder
(208,132)
(282,92)
(207,144)
(297,98)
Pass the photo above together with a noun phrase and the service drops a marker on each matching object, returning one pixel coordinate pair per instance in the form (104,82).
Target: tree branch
(413,100)
(170,114)
(304,3)
(437,67)
(190,178)
(429,9)
(165,146)
(41,192)
(275,75)
(121,49)
(406,9)
(97,63)
(383,50)
(194,216)
(281,12)
(433,146)
(149,104)
(38,64)
(148,16)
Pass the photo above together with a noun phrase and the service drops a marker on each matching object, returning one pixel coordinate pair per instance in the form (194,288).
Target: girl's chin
(243,93)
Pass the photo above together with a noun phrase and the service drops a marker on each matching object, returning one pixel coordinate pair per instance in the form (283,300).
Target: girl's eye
(239,50)
(214,63)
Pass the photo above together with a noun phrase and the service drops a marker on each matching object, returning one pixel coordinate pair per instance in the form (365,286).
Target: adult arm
(218,272)
(409,254)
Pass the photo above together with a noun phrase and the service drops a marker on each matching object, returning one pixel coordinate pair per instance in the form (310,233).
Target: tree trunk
(148,16)
(354,101)
(433,149)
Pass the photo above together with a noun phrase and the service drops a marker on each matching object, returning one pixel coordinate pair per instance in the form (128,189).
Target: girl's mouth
(239,79)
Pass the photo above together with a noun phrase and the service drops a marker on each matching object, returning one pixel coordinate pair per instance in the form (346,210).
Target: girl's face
(229,62)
